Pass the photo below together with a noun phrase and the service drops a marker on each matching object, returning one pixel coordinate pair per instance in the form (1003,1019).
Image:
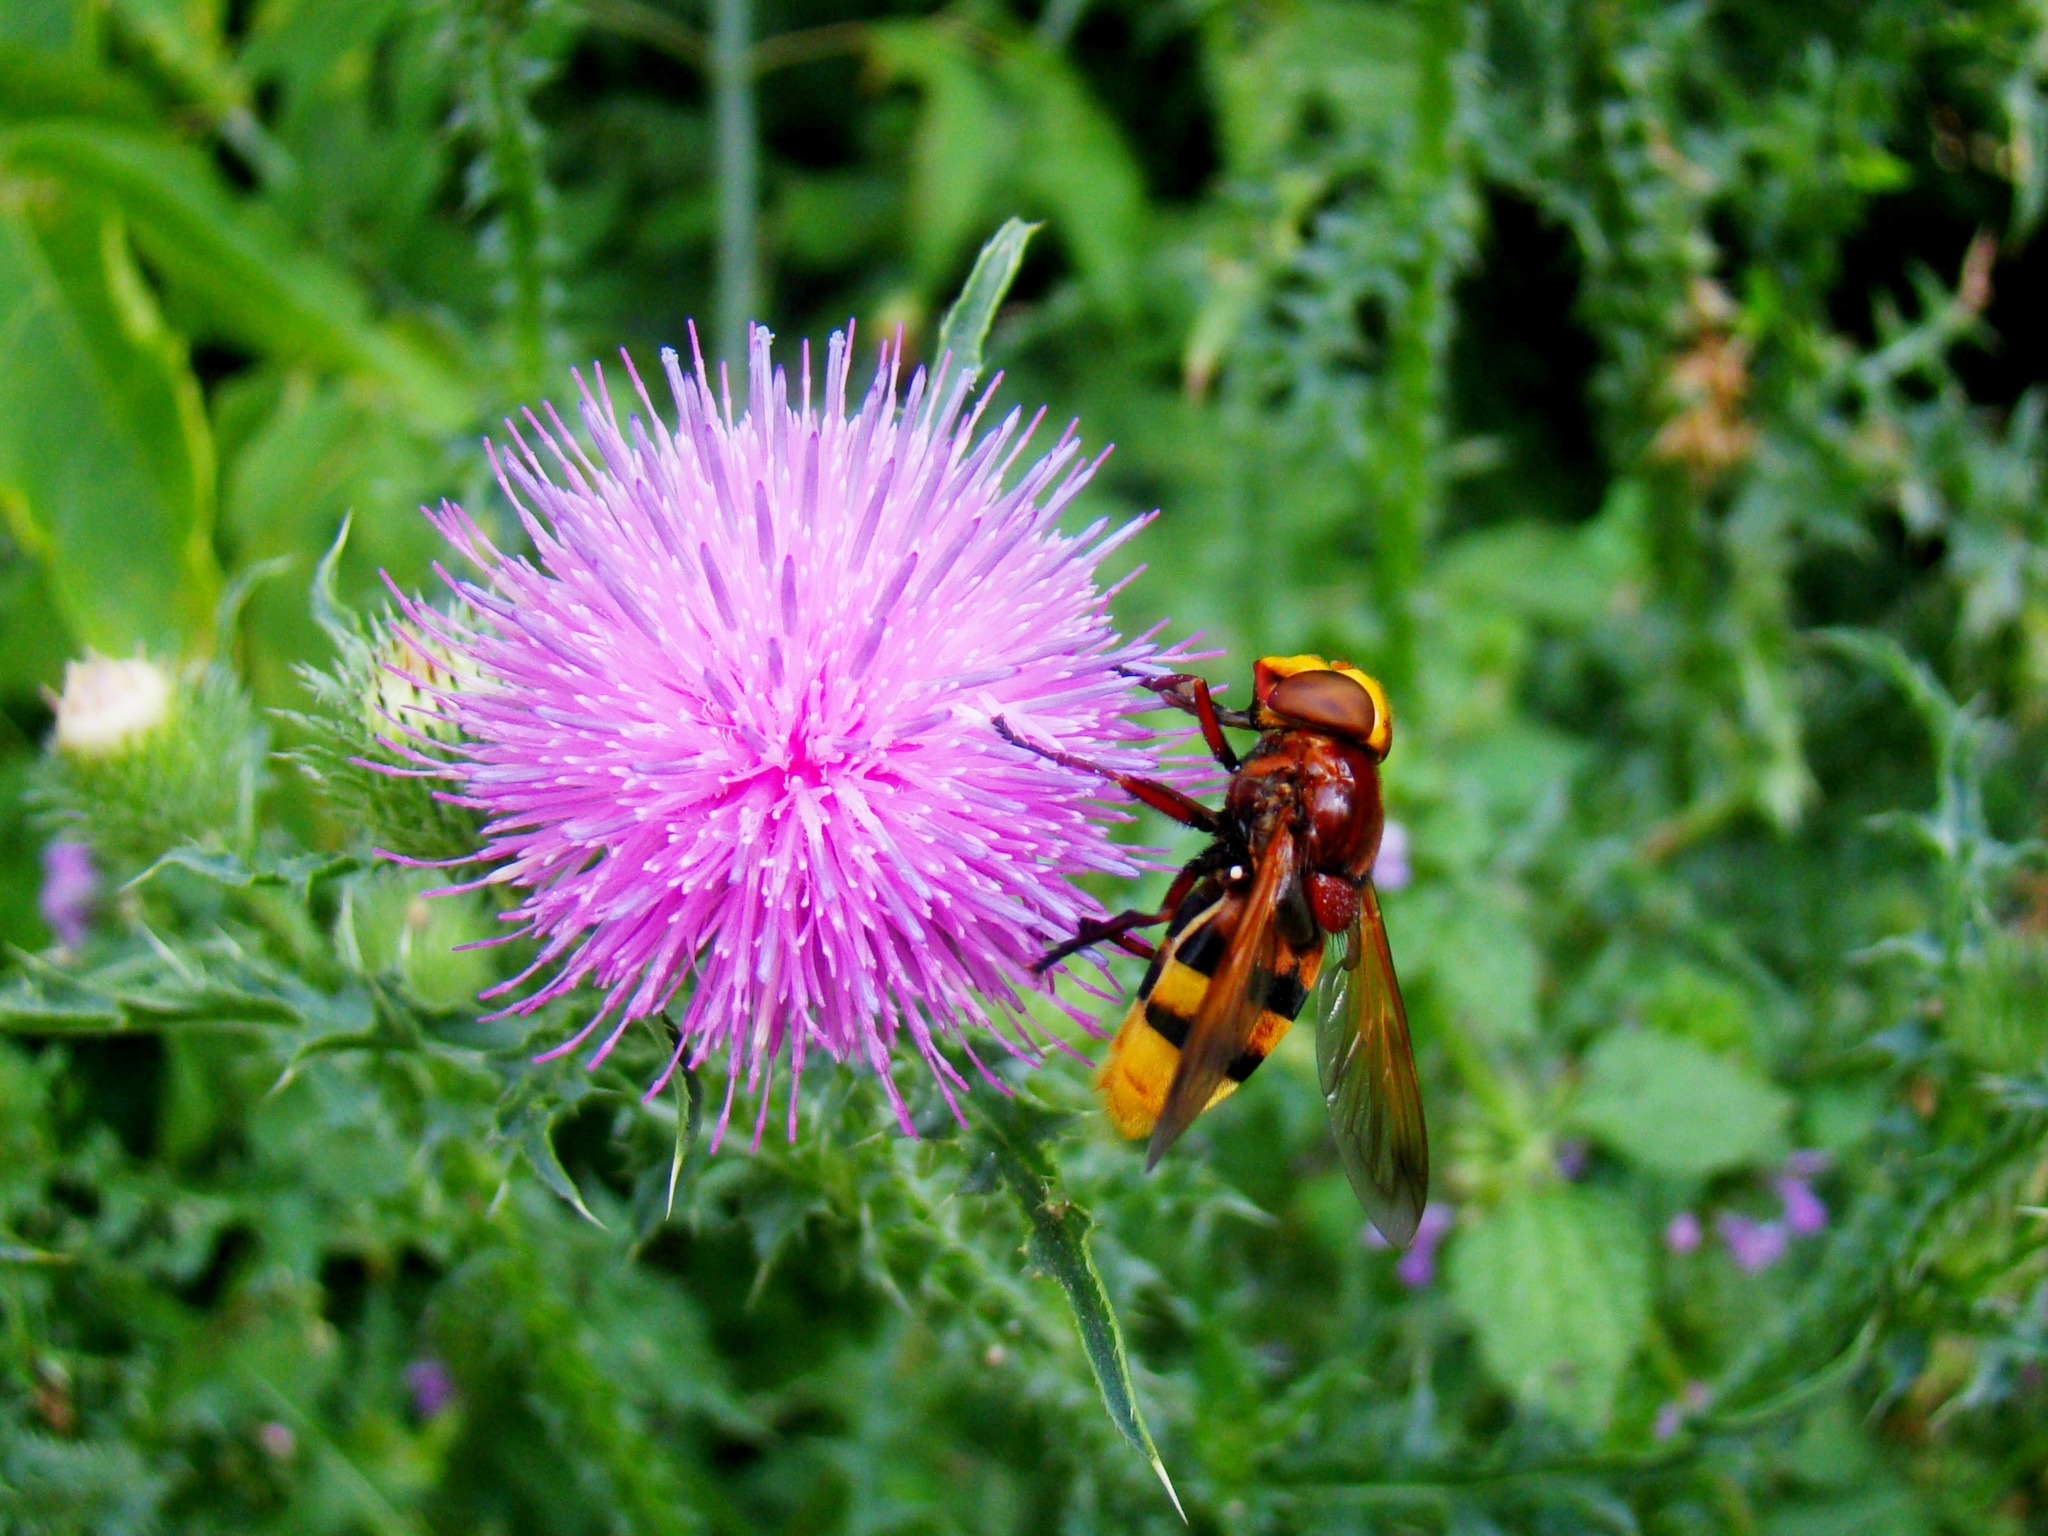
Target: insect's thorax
(1324,791)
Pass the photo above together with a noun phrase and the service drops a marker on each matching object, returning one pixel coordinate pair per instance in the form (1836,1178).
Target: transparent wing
(1368,1074)
(1231,1006)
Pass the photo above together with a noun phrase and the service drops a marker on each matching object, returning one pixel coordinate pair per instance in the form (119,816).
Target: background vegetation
(1651,393)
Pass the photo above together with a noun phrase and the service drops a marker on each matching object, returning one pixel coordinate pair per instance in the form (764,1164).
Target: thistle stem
(739,173)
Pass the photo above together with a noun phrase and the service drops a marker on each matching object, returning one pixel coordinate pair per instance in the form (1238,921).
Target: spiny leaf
(1015,1131)
(689,1092)
(148,993)
(525,1121)
(304,874)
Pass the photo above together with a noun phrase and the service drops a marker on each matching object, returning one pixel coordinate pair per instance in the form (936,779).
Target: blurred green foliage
(1649,392)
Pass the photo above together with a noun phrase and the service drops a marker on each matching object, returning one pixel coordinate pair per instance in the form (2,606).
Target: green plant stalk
(511,142)
(739,173)
(1409,486)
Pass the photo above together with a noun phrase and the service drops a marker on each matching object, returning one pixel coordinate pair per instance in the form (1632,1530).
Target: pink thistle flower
(730,724)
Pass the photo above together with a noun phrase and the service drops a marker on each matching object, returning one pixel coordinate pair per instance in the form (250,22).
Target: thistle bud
(400,933)
(144,760)
(377,732)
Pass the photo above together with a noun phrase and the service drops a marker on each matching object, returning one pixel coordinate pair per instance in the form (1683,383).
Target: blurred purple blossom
(70,884)
(1808,1163)
(431,1386)
(1417,1267)
(1682,1233)
(1569,1157)
(1805,1212)
(1390,870)
(277,1440)
(1672,1416)
(1754,1245)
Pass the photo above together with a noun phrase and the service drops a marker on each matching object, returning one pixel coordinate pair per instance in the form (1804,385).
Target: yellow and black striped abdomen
(1142,1058)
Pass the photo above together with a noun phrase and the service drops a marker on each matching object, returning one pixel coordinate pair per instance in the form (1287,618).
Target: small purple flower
(70,884)
(1672,1416)
(730,724)
(1754,1245)
(1682,1233)
(1569,1157)
(1808,1163)
(1390,868)
(431,1386)
(1417,1267)
(277,1440)
(1805,1212)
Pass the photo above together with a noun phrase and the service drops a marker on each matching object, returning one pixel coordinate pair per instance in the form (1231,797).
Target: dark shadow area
(1520,377)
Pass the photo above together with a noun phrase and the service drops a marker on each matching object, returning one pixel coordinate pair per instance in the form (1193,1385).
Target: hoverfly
(1289,864)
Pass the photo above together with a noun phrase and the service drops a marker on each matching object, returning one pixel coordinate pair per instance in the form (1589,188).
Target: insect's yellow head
(1329,696)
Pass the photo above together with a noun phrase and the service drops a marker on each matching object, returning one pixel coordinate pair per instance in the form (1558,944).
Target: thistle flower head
(729,725)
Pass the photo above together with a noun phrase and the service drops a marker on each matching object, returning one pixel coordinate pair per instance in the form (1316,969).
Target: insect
(1247,919)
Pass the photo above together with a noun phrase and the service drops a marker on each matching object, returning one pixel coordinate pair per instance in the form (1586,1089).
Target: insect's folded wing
(1367,1069)
(1231,1005)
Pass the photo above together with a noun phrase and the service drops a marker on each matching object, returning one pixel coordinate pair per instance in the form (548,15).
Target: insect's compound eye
(1326,701)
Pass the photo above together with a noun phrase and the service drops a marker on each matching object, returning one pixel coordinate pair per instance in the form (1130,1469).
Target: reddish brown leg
(1184,690)
(1118,929)
(1163,798)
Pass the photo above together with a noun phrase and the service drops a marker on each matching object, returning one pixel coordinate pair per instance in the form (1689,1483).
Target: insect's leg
(1163,798)
(1184,690)
(1118,928)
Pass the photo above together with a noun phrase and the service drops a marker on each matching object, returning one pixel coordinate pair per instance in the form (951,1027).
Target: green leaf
(525,1121)
(965,329)
(1356,62)
(35,637)
(39,82)
(1556,1283)
(1015,1131)
(1999,1018)
(964,140)
(1675,1107)
(15,1253)
(259,288)
(301,873)
(106,459)
(1077,163)
(149,992)
(688,1088)
(1477,958)
(43,24)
